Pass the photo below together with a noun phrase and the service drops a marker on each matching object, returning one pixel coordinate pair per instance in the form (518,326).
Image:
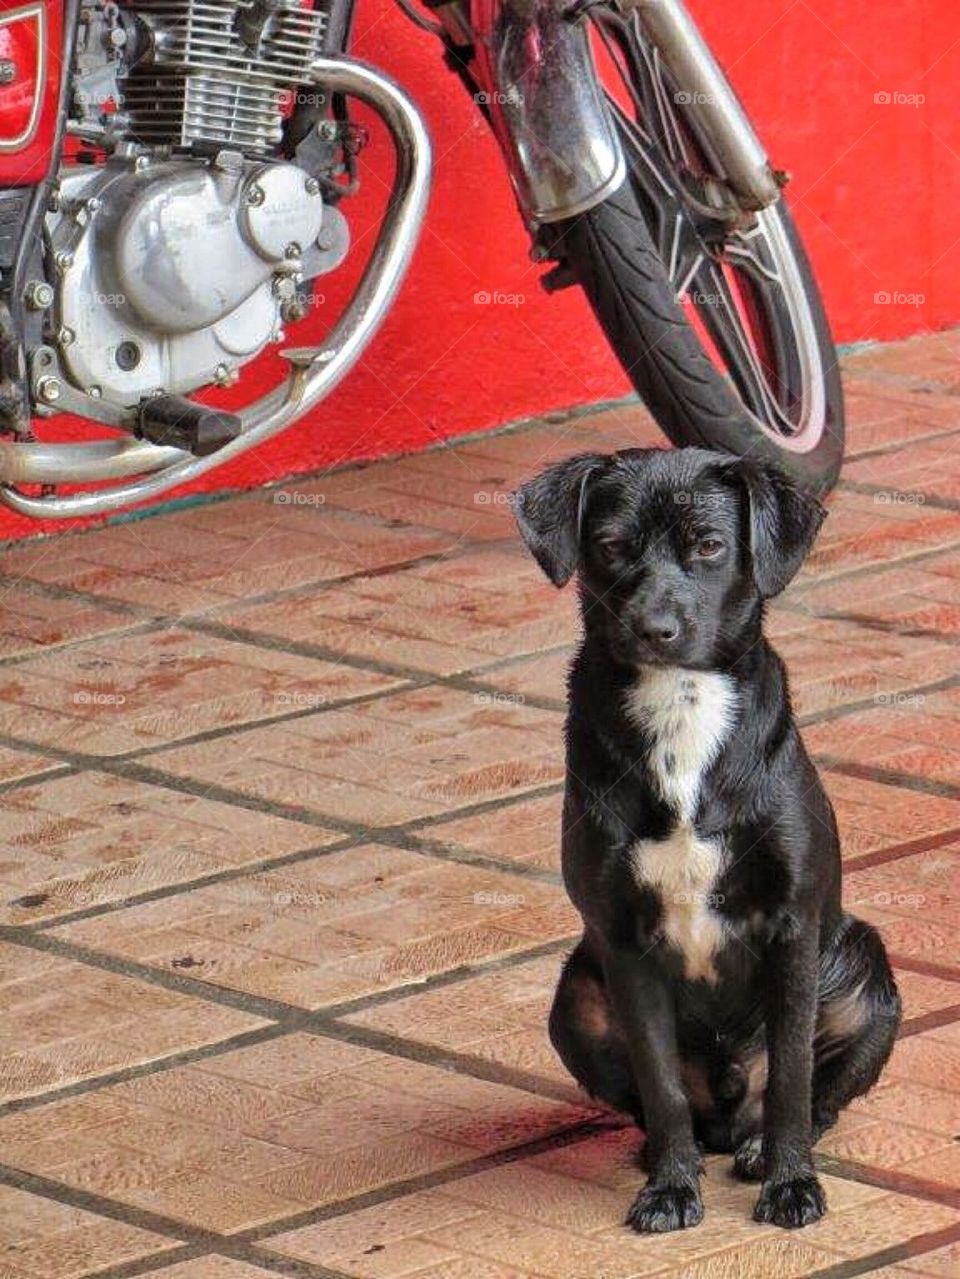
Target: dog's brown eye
(611,549)
(708,548)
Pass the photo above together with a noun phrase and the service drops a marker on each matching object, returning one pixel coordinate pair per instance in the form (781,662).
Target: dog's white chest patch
(683,870)
(688,715)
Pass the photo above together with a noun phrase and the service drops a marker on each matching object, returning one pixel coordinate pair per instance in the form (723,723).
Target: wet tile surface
(280,905)
(347,924)
(39,1237)
(65,1022)
(81,842)
(115,695)
(258,1134)
(411,755)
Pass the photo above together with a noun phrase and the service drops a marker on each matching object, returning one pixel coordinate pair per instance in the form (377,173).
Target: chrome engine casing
(173,273)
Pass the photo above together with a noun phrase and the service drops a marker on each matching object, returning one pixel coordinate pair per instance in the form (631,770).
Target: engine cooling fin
(207,81)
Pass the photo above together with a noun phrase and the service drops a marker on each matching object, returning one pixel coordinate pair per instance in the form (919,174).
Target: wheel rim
(743,287)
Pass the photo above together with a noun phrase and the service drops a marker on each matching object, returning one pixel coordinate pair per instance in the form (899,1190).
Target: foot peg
(181,424)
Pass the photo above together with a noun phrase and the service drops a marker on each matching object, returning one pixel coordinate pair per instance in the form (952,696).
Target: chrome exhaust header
(314,371)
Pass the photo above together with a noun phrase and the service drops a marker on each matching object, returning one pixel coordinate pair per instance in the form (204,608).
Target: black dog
(719,994)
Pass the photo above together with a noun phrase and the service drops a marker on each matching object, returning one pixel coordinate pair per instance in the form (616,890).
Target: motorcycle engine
(178,254)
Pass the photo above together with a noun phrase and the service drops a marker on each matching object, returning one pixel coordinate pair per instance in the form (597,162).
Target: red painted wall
(857,100)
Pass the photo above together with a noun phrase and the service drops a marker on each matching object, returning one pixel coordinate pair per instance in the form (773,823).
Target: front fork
(532,63)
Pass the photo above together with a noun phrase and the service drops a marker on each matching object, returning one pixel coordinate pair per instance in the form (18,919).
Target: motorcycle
(175,176)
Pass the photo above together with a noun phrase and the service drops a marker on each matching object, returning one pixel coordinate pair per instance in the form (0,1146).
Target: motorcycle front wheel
(718,323)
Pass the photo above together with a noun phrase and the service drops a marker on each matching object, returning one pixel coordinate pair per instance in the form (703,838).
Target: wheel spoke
(750,251)
(678,244)
(761,327)
(723,317)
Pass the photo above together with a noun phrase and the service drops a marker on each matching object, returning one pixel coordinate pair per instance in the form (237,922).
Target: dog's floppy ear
(784,520)
(549,511)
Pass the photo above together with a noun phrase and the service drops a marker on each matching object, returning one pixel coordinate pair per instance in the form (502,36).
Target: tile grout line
(152,620)
(831,713)
(930,500)
(155,1066)
(879,450)
(148,1264)
(406,836)
(331,1021)
(877,624)
(129,763)
(242,1244)
(907,1250)
(925,967)
(274,1010)
(403,836)
(27,780)
(209,1242)
(933,1020)
(856,572)
(571,1134)
(889,777)
(891,1179)
(910,847)
(225,876)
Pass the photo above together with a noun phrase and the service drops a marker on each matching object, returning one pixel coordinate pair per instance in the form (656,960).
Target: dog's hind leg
(585,1034)
(857,1020)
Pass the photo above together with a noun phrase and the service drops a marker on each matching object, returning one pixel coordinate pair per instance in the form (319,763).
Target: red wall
(876,192)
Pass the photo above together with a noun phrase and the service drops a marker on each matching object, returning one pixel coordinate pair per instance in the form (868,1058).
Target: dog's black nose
(661,628)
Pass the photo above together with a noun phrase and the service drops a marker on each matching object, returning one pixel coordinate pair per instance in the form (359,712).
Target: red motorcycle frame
(31,87)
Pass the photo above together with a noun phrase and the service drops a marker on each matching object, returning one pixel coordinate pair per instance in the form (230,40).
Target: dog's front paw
(748,1160)
(797,1202)
(658,1208)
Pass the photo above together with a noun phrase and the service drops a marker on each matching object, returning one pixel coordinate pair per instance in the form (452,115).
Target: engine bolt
(221,375)
(296,309)
(66,336)
(311,186)
(284,287)
(8,71)
(93,205)
(327,130)
(63,260)
(140,163)
(127,356)
(256,196)
(38,295)
(292,250)
(94,392)
(48,389)
(325,240)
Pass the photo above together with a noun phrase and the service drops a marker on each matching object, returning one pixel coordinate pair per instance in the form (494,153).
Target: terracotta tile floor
(280,911)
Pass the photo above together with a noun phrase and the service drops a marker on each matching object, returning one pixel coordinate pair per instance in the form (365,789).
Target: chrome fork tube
(315,371)
(708,99)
